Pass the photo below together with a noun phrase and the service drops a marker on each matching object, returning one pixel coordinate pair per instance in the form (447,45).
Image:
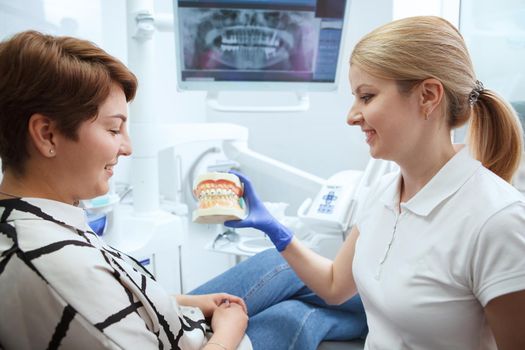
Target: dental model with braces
(219,198)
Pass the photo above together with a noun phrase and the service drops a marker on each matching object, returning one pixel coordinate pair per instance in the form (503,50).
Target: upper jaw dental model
(219,198)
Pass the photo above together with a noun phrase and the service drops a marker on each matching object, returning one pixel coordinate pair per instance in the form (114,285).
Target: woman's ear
(431,95)
(42,134)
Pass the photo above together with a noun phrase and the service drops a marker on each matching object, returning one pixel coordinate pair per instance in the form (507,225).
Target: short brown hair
(63,78)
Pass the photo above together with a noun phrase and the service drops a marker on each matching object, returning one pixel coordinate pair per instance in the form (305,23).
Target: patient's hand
(208,303)
(229,319)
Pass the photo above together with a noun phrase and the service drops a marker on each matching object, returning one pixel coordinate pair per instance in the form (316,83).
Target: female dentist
(437,254)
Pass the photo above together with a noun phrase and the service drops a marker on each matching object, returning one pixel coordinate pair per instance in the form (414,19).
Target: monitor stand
(302,105)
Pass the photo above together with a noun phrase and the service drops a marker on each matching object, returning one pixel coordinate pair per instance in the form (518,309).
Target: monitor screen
(259,44)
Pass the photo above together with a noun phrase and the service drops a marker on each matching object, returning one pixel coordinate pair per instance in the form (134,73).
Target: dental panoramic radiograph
(219,198)
(249,39)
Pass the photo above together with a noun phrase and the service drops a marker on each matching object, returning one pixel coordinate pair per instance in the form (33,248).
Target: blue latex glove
(259,217)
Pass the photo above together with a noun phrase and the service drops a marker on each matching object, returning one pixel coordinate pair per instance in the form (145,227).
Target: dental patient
(63,126)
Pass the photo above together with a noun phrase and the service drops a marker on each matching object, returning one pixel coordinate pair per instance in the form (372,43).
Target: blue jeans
(284,313)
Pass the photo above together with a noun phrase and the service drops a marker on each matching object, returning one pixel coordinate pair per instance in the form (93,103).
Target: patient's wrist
(216,344)
(229,339)
(181,300)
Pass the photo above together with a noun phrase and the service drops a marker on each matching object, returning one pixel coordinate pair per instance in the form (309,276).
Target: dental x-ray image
(249,39)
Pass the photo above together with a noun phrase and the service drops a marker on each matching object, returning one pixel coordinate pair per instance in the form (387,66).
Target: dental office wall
(317,141)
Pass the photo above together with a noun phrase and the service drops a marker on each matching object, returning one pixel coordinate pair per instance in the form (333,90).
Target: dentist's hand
(259,217)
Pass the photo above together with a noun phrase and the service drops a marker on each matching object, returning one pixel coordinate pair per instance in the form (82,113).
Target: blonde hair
(413,49)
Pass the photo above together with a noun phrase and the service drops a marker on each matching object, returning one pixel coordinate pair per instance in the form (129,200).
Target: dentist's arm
(506,318)
(332,281)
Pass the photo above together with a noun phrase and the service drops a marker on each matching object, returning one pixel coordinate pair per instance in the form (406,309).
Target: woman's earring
(51,151)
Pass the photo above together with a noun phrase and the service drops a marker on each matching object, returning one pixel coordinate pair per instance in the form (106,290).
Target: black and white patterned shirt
(62,287)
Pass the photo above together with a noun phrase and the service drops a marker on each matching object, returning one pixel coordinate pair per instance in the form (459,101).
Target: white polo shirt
(425,274)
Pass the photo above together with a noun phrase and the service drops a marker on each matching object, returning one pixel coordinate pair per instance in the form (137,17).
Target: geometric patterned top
(62,287)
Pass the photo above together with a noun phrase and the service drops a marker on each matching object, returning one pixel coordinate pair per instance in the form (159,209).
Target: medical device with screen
(290,45)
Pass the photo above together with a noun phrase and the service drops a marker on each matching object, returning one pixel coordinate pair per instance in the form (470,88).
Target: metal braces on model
(219,198)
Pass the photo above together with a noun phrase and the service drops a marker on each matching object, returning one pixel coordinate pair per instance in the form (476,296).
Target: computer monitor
(292,45)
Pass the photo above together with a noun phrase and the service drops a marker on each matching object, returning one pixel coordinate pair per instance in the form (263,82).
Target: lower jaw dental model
(219,198)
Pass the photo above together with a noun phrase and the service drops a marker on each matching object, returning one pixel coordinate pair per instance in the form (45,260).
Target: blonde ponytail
(495,135)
